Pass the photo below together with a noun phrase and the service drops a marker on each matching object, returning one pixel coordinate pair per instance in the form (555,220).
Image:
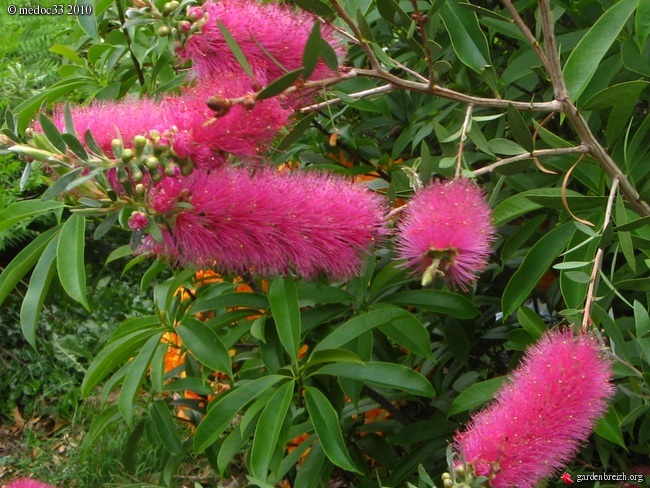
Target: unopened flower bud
(136,173)
(445,476)
(172,169)
(118,147)
(138,221)
(152,163)
(169,7)
(155,175)
(140,189)
(219,105)
(448,483)
(249,102)
(127,155)
(184,26)
(164,31)
(29,133)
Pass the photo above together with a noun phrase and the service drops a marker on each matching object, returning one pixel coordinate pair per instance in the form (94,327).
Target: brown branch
(598,260)
(553,65)
(519,22)
(374,62)
(581,149)
(421,21)
(361,94)
(463,136)
(127,37)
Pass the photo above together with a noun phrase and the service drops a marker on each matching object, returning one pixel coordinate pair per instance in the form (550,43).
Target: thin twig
(127,37)
(421,20)
(361,94)
(593,280)
(463,136)
(534,154)
(519,22)
(386,405)
(374,62)
(553,65)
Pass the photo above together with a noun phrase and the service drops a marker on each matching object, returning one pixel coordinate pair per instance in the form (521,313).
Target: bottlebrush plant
(362,222)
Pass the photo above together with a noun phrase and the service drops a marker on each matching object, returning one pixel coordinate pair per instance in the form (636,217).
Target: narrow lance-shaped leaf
(236,50)
(70,259)
(587,55)
(39,285)
(164,425)
(23,262)
(268,430)
(283,299)
(205,345)
(326,424)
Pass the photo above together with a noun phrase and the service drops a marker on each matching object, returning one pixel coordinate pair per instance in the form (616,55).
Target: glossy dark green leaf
(587,55)
(642,22)
(61,184)
(317,7)
(75,146)
(70,261)
(165,428)
(225,407)
(613,95)
(538,260)
(16,212)
(519,129)
(23,262)
(387,375)
(439,301)
(39,285)
(609,428)
(475,395)
(326,424)
(139,367)
(311,55)
(205,345)
(467,38)
(268,430)
(279,85)
(283,299)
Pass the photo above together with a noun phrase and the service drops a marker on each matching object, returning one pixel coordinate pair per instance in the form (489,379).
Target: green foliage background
(428,356)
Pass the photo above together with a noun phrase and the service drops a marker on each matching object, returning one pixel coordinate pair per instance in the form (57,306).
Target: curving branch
(582,149)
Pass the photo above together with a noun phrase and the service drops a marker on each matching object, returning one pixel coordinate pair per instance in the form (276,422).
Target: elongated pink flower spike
(271,36)
(447,231)
(271,223)
(27,483)
(186,122)
(540,418)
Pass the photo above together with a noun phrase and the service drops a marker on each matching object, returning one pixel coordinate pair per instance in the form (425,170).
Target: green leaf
(283,299)
(67,53)
(226,406)
(641,320)
(61,184)
(612,95)
(19,211)
(609,428)
(236,50)
(357,325)
(538,260)
(439,301)
(52,133)
(519,129)
(590,51)
(88,23)
(386,375)
(39,285)
(135,376)
(75,146)
(407,331)
(100,423)
(326,424)
(70,259)
(268,430)
(317,7)
(467,38)
(506,147)
(205,345)
(531,322)
(642,23)
(331,356)
(113,354)
(311,54)
(164,425)
(23,262)
(475,395)
(279,85)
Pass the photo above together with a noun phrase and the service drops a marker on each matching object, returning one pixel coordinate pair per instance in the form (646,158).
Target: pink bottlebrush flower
(27,483)
(269,222)
(241,132)
(186,122)
(138,221)
(539,419)
(260,30)
(447,230)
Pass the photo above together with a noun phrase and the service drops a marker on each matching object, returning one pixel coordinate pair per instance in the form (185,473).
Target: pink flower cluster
(186,122)
(447,231)
(272,37)
(27,483)
(270,222)
(540,418)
